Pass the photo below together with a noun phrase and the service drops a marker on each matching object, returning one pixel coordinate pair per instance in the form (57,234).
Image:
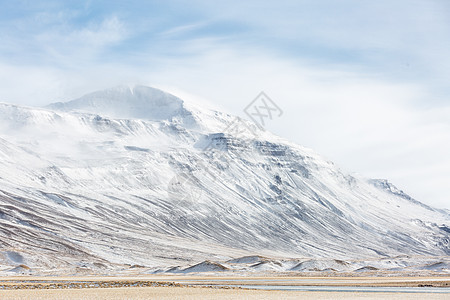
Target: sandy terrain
(58,287)
(200,293)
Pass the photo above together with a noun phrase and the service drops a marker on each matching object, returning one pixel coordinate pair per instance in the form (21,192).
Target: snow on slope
(138,176)
(146,103)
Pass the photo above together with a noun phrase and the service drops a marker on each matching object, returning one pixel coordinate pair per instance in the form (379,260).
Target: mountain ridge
(154,191)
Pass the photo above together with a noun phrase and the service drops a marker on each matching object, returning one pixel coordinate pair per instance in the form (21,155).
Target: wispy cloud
(178,31)
(76,45)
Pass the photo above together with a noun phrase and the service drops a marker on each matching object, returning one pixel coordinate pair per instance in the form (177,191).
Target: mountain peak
(125,102)
(87,185)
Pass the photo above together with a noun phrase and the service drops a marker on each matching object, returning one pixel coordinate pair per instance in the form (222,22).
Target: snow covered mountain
(140,177)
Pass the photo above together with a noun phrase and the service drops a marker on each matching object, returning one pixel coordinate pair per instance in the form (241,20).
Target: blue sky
(365,83)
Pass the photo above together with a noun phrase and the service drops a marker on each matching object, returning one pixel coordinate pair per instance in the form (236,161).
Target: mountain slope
(137,176)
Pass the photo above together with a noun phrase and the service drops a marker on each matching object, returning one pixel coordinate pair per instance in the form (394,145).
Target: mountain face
(137,176)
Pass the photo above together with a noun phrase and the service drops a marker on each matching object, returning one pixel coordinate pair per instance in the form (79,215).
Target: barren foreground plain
(201,287)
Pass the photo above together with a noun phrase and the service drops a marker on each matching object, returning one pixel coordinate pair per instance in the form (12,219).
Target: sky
(363,83)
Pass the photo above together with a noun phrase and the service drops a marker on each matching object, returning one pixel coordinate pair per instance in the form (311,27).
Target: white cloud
(72,46)
(183,29)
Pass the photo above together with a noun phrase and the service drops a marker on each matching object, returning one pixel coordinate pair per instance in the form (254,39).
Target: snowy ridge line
(89,188)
